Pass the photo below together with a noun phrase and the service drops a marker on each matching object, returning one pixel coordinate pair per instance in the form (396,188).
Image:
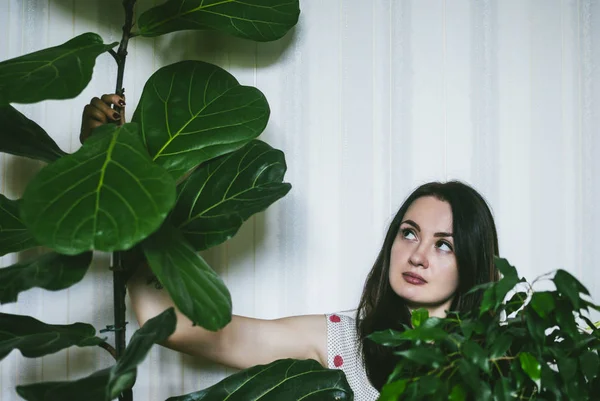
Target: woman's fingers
(99,112)
(113,99)
(103,111)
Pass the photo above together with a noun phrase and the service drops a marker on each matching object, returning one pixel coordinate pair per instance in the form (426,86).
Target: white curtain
(369,99)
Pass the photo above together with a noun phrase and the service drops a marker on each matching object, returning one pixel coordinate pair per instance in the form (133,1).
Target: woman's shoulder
(344,352)
(340,317)
(342,339)
(342,326)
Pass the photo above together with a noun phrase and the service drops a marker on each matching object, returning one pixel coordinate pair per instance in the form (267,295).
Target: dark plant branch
(111,350)
(119,271)
(122,52)
(114,54)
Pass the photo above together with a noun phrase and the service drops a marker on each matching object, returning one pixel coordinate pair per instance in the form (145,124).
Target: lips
(413,278)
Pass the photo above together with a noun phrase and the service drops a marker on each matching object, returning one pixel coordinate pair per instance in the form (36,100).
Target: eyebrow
(415,225)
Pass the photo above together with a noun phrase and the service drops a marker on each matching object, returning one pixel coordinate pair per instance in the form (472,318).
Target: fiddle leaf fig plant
(34,338)
(191,112)
(60,72)
(51,271)
(23,137)
(285,379)
(261,21)
(107,384)
(14,236)
(181,177)
(106,196)
(216,199)
(536,345)
(182,271)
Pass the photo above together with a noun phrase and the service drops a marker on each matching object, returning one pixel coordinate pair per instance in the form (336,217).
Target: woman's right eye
(408,234)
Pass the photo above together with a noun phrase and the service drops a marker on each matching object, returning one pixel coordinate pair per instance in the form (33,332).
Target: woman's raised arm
(244,342)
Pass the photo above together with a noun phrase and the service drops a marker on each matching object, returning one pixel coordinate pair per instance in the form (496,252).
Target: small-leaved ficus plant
(538,345)
(181,177)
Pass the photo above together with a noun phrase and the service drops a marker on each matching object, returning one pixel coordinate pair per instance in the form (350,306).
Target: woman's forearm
(148,299)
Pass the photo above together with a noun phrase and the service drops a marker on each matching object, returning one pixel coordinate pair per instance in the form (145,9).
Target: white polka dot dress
(343,353)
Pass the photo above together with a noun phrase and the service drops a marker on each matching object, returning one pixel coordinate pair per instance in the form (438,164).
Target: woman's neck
(439,310)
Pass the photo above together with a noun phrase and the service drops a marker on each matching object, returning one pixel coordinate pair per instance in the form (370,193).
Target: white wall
(369,99)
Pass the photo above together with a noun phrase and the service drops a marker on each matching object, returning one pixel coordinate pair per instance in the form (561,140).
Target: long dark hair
(475,245)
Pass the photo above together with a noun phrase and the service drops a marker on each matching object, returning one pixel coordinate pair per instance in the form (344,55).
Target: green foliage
(22,137)
(537,352)
(34,338)
(218,197)
(195,127)
(60,72)
(259,20)
(196,289)
(14,236)
(107,384)
(106,196)
(51,271)
(285,379)
(191,112)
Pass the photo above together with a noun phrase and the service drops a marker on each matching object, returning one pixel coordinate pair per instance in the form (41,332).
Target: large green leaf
(458,393)
(218,197)
(391,391)
(22,137)
(570,287)
(424,356)
(14,236)
(503,390)
(531,366)
(508,281)
(34,338)
(543,303)
(476,354)
(196,289)
(51,271)
(260,20)
(285,379)
(107,196)
(60,72)
(90,388)
(107,384)
(500,345)
(191,112)
(418,316)
(469,373)
(391,338)
(590,364)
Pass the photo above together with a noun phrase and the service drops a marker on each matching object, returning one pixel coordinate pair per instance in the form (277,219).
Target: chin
(417,297)
(411,294)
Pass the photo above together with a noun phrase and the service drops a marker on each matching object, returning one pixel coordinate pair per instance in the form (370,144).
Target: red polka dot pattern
(338,361)
(342,353)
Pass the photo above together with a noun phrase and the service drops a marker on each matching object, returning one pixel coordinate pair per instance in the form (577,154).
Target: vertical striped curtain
(368,100)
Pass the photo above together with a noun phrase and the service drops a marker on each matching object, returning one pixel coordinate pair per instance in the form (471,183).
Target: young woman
(441,243)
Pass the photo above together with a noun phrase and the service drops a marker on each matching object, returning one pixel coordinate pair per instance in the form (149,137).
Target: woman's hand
(99,112)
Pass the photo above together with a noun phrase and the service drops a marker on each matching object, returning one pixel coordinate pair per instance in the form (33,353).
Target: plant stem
(119,271)
(503,358)
(109,348)
(119,291)
(122,52)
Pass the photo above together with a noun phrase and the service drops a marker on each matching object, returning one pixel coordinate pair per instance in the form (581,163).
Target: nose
(419,257)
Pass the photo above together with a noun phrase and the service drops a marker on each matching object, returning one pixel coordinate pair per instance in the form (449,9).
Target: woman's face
(423,267)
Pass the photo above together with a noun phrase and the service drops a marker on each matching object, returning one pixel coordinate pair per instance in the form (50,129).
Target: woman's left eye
(444,246)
